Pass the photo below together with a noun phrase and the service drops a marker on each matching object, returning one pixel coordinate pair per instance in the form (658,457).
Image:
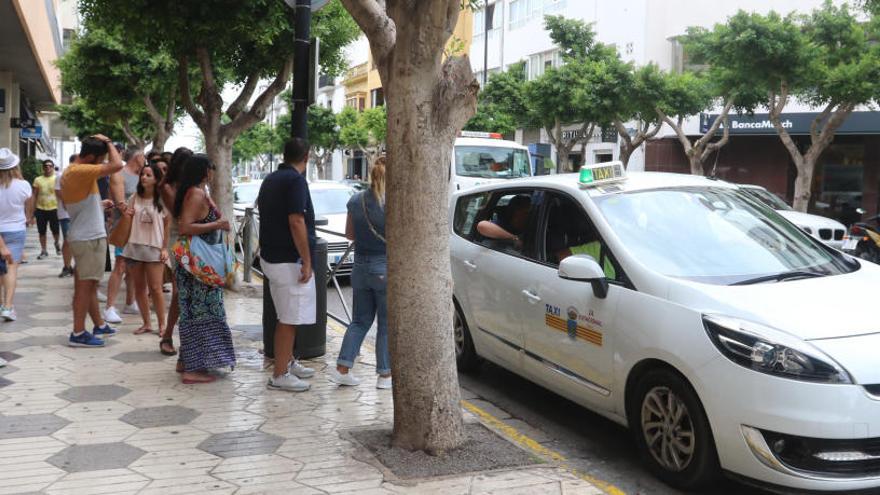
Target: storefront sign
(571,135)
(35,132)
(795,123)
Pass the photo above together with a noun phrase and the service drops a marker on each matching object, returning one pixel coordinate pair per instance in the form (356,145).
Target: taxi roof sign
(601,173)
(479,134)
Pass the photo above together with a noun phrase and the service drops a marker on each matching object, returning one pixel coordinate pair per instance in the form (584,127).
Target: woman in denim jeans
(366,227)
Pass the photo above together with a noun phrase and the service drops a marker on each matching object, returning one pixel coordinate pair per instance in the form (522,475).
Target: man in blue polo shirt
(287,237)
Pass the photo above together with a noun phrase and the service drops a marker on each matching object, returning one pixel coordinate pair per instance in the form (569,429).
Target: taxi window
(466,210)
(569,231)
(507,222)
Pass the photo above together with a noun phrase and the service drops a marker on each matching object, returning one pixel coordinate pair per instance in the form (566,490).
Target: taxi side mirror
(583,268)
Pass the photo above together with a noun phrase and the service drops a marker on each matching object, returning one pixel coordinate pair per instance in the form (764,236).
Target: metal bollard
(247,246)
(311,340)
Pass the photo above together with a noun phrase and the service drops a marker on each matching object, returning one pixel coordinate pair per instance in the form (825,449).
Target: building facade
(31,39)
(646,31)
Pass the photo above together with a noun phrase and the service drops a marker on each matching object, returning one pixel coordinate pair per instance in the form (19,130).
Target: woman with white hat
(16,211)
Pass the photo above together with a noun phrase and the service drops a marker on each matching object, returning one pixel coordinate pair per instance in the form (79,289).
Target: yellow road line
(515,435)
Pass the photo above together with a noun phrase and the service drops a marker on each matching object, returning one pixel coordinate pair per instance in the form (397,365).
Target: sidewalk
(117,420)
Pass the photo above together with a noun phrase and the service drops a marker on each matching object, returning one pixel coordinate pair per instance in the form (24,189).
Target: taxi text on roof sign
(601,173)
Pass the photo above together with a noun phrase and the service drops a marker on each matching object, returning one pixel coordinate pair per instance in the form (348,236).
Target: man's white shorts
(295,303)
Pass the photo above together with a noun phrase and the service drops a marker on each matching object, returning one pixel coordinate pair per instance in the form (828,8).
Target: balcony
(356,73)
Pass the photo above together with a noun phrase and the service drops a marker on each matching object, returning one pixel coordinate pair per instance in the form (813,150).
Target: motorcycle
(864,240)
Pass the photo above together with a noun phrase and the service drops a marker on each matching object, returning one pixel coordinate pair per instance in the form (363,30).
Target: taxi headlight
(770,351)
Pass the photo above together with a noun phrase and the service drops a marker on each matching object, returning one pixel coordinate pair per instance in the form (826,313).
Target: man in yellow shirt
(47,208)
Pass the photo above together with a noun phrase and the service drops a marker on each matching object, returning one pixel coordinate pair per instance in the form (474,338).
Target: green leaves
(365,129)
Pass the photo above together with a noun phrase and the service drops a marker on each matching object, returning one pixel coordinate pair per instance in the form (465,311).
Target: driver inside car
(509,223)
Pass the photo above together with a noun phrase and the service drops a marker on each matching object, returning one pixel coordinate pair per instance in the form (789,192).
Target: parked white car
(726,338)
(329,200)
(827,230)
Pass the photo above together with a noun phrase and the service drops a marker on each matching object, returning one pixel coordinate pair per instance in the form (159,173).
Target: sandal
(203,379)
(170,345)
(143,330)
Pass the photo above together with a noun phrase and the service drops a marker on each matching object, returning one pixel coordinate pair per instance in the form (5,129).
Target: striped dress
(205,338)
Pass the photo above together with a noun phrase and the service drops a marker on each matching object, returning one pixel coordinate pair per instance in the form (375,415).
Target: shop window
(840,182)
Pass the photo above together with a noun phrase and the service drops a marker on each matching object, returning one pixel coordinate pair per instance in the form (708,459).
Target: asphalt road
(591,443)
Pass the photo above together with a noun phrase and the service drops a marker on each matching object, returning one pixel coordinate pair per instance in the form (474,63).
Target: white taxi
(725,337)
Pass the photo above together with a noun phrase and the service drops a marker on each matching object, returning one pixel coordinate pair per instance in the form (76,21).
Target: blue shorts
(65,226)
(15,243)
(117,251)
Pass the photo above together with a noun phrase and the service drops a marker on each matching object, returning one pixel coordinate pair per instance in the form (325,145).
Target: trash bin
(311,340)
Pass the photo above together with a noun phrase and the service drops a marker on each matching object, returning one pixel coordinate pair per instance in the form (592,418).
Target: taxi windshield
(491,162)
(716,236)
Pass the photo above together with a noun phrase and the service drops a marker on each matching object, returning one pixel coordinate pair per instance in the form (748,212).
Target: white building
(643,31)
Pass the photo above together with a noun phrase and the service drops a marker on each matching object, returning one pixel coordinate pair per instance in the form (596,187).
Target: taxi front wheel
(672,431)
(465,355)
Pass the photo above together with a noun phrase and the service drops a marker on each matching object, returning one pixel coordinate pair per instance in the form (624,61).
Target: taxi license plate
(850,244)
(348,259)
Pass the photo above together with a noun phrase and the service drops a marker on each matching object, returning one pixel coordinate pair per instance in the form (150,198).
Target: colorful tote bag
(210,264)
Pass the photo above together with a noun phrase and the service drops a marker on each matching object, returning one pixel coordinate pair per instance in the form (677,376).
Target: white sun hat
(8,159)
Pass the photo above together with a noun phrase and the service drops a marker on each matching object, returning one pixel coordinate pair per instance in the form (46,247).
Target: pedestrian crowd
(156,214)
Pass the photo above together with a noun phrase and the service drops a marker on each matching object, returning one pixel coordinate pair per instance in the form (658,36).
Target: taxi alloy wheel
(465,355)
(672,431)
(668,430)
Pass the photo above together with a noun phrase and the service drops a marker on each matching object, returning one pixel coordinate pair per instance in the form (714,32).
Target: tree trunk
(427,417)
(159,140)
(803,183)
(626,152)
(219,150)
(696,164)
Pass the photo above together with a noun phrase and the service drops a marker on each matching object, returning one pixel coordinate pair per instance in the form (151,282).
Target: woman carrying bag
(203,265)
(366,227)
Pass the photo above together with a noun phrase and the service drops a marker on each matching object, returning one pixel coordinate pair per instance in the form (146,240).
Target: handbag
(122,231)
(210,264)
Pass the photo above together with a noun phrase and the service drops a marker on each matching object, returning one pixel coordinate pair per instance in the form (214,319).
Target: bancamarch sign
(795,123)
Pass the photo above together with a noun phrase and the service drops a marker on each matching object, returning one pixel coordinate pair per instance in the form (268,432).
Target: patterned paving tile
(140,357)
(151,417)
(9,356)
(30,425)
(93,393)
(241,443)
(95,457)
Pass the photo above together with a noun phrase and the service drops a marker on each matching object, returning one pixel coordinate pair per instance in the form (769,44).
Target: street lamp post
(311,339)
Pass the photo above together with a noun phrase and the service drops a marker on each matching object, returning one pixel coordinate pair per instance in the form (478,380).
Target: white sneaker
(300,371)
(102,297)
(131,309)
(347,379)
(8,314)
(288,382)
(111,316)
(383,382)
(2,362)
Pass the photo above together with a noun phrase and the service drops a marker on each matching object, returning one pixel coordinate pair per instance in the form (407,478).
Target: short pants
(46,218)
(89,258)
(65,226)
(15,243)
(295,303)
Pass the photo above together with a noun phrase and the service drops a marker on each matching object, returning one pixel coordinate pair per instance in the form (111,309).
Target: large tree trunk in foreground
(428,101)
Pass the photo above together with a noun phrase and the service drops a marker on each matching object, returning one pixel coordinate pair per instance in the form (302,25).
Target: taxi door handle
(469,265)
(532,297)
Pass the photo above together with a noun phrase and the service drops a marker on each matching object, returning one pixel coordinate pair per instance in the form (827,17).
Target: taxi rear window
(466,210)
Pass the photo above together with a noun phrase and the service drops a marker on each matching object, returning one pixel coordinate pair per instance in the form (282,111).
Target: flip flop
(170,344)
(142,330)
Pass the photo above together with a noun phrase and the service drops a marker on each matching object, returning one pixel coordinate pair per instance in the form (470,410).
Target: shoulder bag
(210,264)
(122,231)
